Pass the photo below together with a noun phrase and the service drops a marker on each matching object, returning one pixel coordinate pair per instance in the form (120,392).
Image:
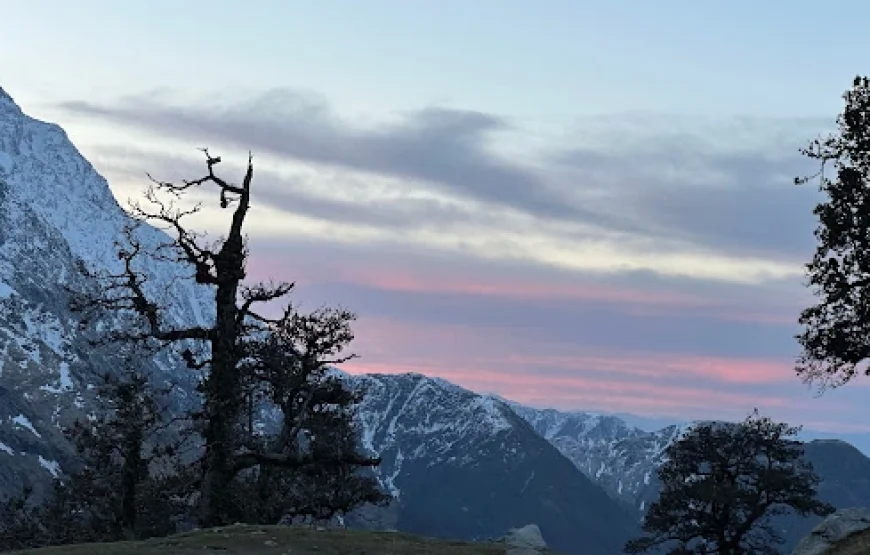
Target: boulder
(832,530)
(526,540)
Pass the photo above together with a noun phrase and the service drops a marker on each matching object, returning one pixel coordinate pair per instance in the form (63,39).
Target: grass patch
(279,540)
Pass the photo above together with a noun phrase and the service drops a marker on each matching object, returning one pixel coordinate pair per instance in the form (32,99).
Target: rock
(308,522)
(832,530)
(526,540)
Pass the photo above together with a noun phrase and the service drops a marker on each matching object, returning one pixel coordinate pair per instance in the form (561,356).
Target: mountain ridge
(466,465)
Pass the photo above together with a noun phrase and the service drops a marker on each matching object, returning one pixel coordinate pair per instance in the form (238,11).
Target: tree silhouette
(836,331)
(224,349)
(721,484)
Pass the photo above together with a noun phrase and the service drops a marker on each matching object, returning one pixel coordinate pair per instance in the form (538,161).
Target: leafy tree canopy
(836,331)
(722,483)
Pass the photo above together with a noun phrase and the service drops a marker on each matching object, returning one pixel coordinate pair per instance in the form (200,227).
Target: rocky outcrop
(526,540)
(833,530)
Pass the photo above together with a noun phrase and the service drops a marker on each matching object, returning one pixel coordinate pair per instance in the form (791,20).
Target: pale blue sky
(550,59)
(634,245)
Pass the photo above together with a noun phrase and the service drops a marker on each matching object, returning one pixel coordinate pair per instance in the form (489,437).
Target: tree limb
(297,460)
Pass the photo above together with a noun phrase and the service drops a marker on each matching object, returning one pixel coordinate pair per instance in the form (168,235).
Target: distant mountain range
(459,464)
(620,459)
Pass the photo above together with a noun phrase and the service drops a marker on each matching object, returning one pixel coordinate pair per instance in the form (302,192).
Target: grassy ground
(279,540)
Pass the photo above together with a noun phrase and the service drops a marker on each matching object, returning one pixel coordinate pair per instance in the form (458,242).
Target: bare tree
(224,348)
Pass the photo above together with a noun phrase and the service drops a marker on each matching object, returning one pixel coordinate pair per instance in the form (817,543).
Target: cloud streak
(348,205)
(719,185)
(446,148)
(735,201)
(596,394)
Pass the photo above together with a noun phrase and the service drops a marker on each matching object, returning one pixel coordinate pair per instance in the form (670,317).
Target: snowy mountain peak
(418,419)
(48,174)
(43,173)
(7,103)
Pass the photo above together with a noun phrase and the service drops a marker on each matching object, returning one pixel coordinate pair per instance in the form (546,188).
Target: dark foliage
(19,523)
(317,492)
(121,488)
(721,485)
(291,368)
(836,331)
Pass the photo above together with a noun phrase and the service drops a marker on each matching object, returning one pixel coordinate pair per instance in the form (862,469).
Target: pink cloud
(496,358)
(503,286)
(385,339)
(473,282)
(458,281)
(669,365)
(551,375)
(596,394)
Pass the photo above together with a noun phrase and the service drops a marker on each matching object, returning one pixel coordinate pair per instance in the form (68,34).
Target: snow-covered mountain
(622,459)
(57,212)
(433,434)
(466,465)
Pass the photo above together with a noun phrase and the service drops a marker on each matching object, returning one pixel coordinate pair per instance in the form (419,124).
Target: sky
(573,204)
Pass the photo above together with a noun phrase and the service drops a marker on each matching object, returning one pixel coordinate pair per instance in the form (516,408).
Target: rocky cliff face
(623,459)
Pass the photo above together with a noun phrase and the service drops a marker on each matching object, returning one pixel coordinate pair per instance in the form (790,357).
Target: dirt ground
(280,540)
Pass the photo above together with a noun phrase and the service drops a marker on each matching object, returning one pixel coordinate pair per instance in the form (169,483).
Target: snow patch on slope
(52,466)
(25,422)
(6,291)
(64,379)
(623,459)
